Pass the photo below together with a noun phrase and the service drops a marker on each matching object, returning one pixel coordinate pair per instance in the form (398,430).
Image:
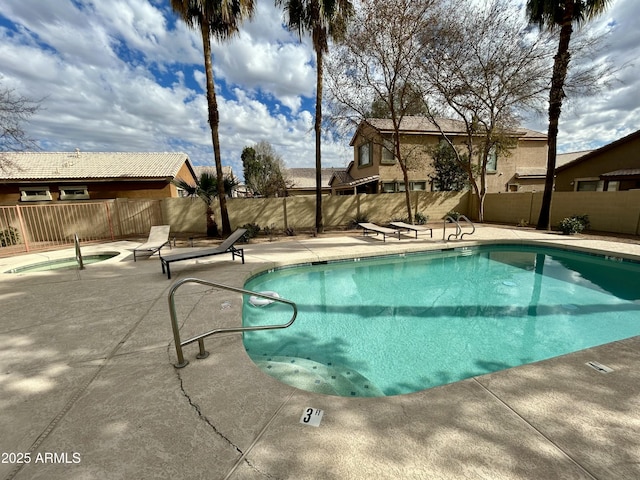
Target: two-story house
(374,168)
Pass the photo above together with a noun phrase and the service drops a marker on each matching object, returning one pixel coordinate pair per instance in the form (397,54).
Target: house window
(513,187)
(389,187)
(34,194)
(78,192)
(421,186)
(492,160)
(364,154)
(388,156)
(589,185)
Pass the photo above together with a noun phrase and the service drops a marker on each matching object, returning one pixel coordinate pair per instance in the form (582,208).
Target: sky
(126,75)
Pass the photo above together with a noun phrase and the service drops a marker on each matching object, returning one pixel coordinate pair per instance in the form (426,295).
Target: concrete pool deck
(88,389)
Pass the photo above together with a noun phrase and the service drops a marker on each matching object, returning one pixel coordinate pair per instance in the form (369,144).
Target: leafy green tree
(324,19)
(220,18)
(264,170)
(449,175)
(206,189)
(551,15)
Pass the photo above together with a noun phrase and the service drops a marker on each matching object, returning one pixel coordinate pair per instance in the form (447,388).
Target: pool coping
(222,417)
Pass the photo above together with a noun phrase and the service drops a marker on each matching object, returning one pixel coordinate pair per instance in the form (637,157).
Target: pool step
(316,377)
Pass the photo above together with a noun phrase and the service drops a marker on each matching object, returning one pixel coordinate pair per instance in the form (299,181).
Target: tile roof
(625,172)
(306,177)
(90,165)
(423,125)
(564,158)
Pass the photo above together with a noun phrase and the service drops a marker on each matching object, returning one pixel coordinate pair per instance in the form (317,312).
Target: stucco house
(375,170)
(615,166)
(81,176)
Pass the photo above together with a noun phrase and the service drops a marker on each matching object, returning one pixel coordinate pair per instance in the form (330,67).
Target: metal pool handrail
(200,338)
(76,242)
(459,234)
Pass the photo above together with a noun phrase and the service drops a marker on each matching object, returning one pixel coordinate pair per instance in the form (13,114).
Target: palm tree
(324,19)
(551,14)
(220,18)
(206,188)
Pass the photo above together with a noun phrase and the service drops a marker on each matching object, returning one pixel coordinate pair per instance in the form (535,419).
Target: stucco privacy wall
(42,226)
(298,212)
(617,212)
(185,215)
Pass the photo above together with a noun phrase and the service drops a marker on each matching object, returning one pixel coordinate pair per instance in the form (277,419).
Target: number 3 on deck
(311,416)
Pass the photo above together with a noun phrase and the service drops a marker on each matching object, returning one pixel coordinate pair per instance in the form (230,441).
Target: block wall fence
(25,228)
(615,212)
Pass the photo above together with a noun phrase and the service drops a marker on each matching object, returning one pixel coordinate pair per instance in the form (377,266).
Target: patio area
(88,389)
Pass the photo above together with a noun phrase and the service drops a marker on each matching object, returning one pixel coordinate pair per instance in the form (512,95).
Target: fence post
(109,220)
(22,227)
(284,212)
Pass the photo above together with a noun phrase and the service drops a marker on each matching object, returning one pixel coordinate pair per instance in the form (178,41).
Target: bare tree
(375,67)
(483,68)
(15,111)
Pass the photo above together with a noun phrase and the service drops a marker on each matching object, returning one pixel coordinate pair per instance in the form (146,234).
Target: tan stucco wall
(527,154)
(185,215)
(608,211)
(339,210)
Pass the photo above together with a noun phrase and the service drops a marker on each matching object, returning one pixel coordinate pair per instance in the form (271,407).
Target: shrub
(270,231)
(584,219)
(359,218)
(421,219)
(9,236)
(290,231)
(574,224)
(252,230)
(453,214)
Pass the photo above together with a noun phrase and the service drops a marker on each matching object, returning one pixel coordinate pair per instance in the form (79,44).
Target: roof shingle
(89,165)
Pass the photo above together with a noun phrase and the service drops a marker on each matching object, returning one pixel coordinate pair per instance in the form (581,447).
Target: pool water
(404,324)
(62,263)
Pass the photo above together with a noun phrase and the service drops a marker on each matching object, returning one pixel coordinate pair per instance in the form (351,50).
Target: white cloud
(125,75)
(592,121)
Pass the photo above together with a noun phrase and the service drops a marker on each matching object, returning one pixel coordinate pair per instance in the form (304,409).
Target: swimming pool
(62,263)
(401,324)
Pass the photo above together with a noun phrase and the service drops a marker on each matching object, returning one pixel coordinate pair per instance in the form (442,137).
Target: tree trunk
(214,121)
(556,95)
(212,226)
(404,168)
(318,129)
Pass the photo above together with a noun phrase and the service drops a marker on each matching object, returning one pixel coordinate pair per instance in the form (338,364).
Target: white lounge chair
(414,228)
(158,238)
(372,227)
